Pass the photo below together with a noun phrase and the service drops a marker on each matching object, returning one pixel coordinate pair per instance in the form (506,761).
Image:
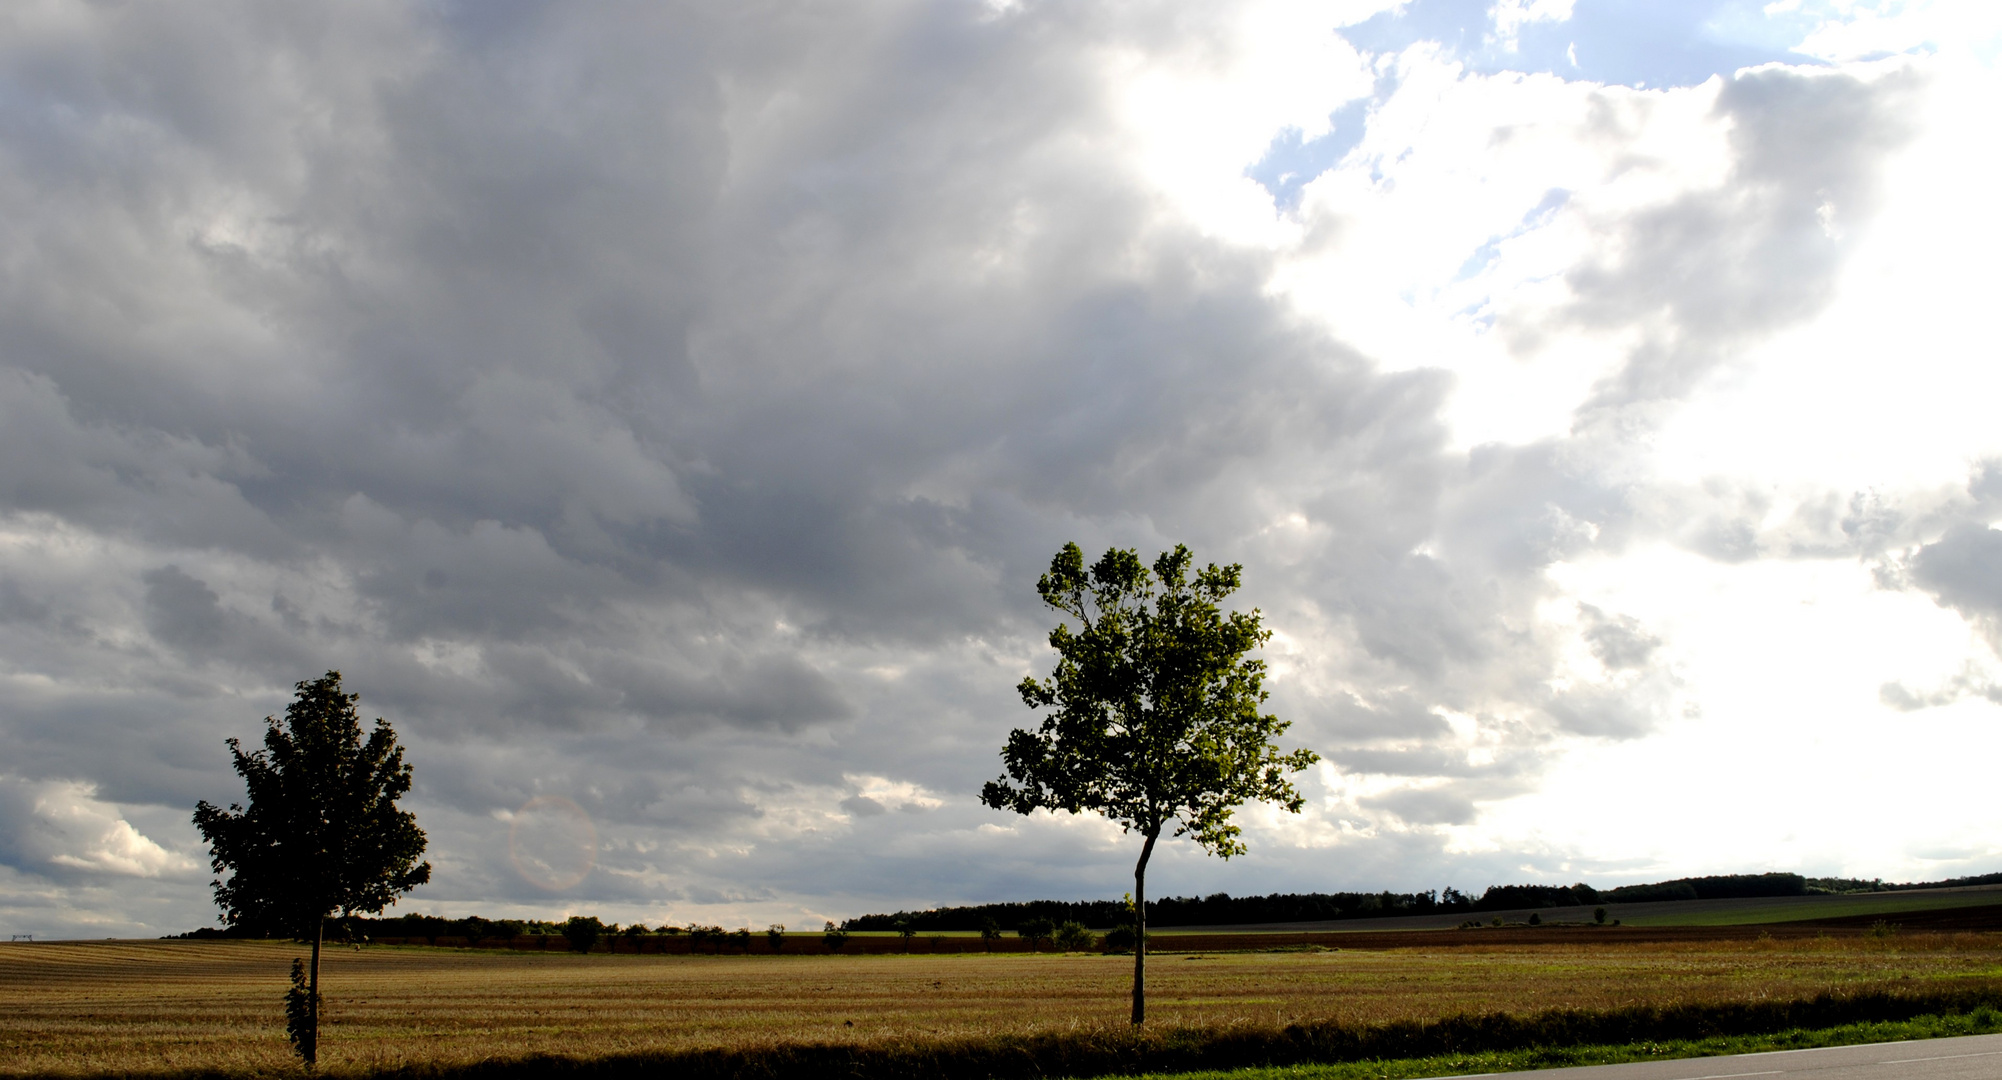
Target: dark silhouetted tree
(320,835)
(583,931)
(1154,715)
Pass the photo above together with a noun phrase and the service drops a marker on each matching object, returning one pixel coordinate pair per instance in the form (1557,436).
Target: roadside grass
(1981,1021)
(187,1006)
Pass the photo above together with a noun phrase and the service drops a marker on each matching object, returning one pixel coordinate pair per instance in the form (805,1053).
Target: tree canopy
(1154,710)
(321,833)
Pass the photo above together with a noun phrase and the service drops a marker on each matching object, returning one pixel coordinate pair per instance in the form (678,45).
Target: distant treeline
(1217,909)
(1857,885)
(414,925)
(1223,909)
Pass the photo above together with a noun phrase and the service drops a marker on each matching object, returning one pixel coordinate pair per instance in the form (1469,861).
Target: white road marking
(1942,1057)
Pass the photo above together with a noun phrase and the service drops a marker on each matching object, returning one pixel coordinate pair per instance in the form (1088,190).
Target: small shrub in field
(834,937)
(1073,937)
(1535,919)
(906,931)
(1034,931)
(990,932)
(1119,939)
(1498,920)
(299,1020)
(1599,916)
(775,936)
(582,931)
(741,938)
(1882,929)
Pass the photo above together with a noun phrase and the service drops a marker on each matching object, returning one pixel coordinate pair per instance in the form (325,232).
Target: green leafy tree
(906,931)
(474,929)
(775,935)
(990,932)
(833,937)
(583,931)
(1073,937)
(1154,712)
(1035,931)
(320,837)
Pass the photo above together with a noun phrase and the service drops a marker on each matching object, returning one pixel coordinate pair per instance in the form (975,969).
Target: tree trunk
(313,994)
(1140,929)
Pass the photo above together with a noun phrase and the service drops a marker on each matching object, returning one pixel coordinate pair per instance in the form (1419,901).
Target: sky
(660,413)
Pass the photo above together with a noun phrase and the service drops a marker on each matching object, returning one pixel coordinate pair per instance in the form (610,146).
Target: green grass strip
(1982,1021)
(1888,904)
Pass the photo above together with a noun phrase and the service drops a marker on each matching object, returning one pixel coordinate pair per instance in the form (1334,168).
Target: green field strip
(1827,908)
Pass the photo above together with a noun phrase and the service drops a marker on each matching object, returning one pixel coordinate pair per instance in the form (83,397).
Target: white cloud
(61,825)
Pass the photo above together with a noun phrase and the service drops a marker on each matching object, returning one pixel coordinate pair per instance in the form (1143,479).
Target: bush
(582,931)
(775,935)
(990,932)
(1035,930)
(834,937)
(1535,919)
(1073,937)
(1599,916)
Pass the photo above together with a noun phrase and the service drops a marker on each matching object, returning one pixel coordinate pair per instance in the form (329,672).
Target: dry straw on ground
(110,1006)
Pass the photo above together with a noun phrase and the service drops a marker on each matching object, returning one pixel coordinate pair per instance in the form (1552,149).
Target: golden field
(116,1006)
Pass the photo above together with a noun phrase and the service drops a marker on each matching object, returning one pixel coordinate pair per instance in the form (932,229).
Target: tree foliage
(583,932)
(1154,712)
(1154,708)
(321,833)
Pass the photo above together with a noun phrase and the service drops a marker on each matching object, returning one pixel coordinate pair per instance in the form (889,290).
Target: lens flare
(552,843)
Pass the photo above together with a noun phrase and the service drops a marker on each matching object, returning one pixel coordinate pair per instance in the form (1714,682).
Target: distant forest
(1223,909)
(1218,909)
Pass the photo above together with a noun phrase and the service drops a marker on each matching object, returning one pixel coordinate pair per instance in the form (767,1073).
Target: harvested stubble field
(146,1006)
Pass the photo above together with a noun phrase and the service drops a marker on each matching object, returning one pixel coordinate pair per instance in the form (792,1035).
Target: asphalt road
(1973,1057)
